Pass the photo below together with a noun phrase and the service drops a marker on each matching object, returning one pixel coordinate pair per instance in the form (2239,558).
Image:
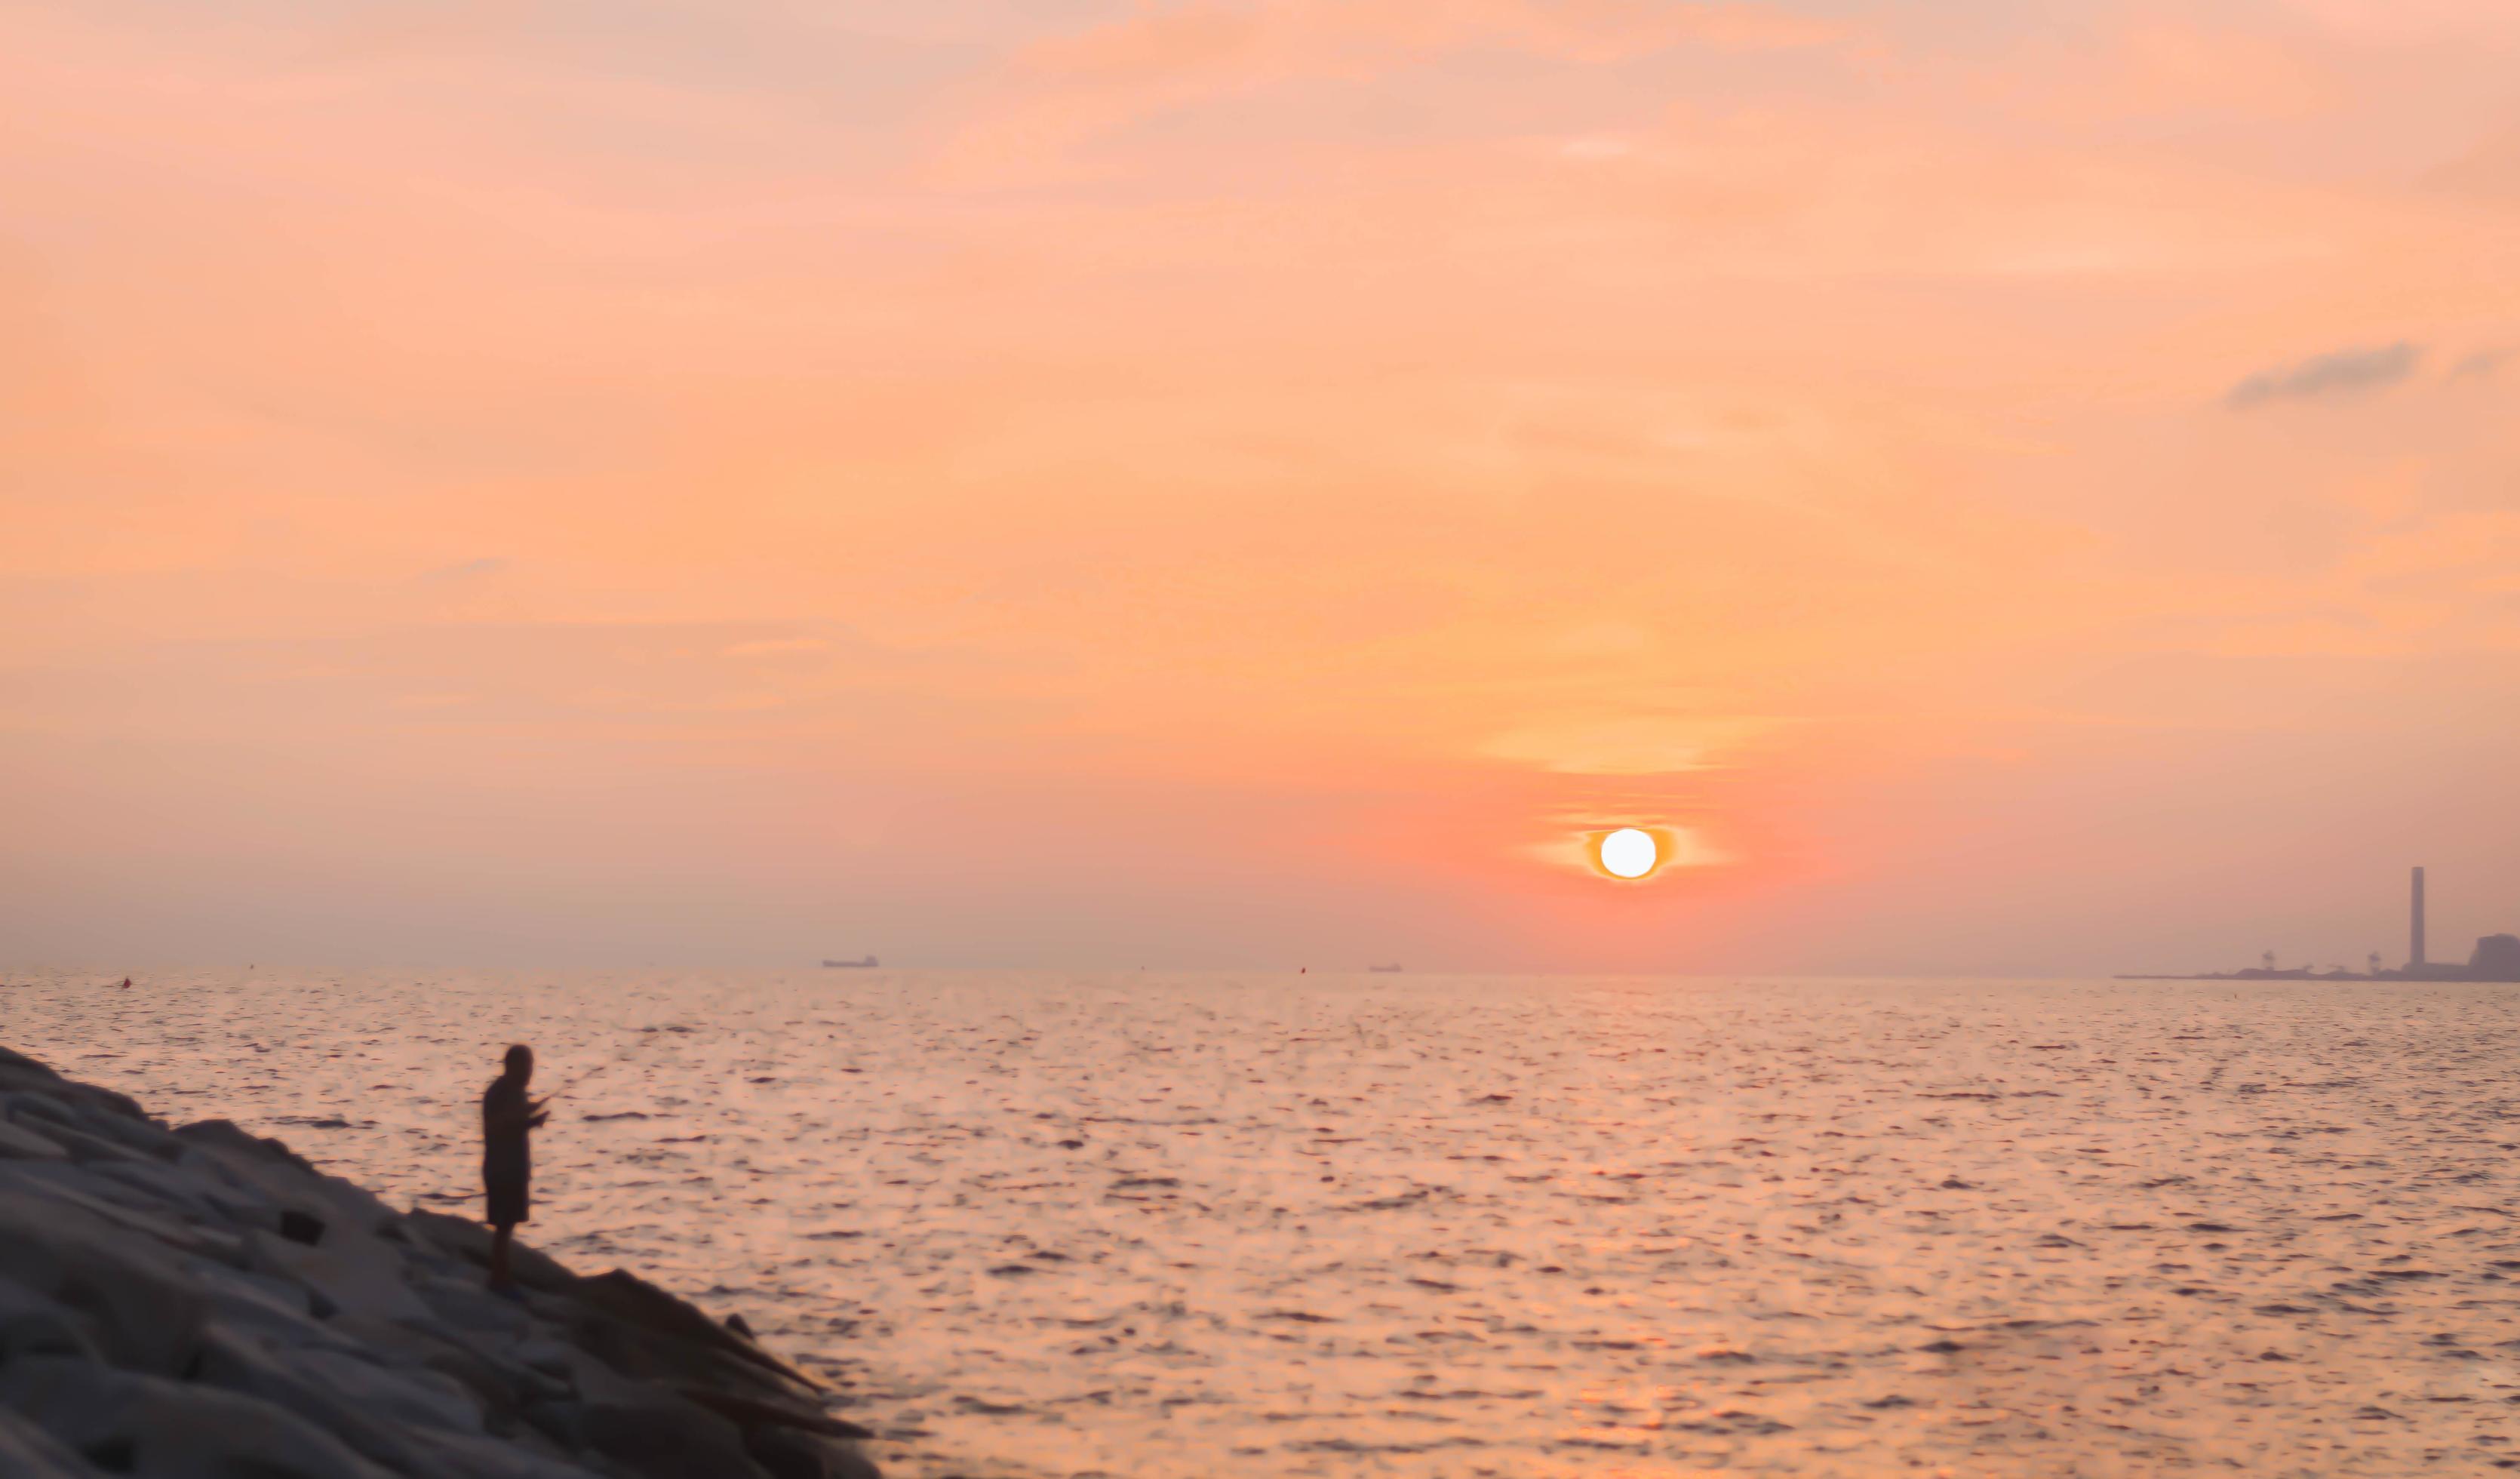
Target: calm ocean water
(1167,1225)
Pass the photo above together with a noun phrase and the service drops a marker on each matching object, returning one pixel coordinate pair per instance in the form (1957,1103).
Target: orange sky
(1252,483)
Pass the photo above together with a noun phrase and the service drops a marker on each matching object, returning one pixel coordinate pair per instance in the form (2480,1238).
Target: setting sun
(1629,853)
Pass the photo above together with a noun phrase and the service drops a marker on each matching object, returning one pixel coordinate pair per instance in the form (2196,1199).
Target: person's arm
(540,1110)
(506,1117)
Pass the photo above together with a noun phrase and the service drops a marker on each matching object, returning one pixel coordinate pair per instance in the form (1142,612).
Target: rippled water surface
(1156,1224)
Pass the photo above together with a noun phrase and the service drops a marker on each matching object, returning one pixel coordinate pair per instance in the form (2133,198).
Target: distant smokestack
(2415,925)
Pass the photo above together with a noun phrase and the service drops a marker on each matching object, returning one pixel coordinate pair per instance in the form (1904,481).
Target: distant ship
(1384,970)
(869,964)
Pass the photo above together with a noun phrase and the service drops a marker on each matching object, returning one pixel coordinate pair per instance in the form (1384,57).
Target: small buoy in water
(126,984)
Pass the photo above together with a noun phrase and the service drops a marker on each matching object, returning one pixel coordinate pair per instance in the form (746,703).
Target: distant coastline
(2497,958)
(2430,973)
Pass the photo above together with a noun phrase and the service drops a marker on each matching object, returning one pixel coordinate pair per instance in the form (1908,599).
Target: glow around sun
(1629,853)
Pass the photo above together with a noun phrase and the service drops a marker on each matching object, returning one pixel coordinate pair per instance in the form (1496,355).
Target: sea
(1039,1224)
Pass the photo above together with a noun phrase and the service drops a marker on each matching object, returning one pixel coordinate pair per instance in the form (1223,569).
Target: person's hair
(520,1055)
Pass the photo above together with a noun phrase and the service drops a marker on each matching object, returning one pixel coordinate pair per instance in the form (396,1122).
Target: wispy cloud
(2344,372)
(480,569)
(1065,91)
(1638,745)
(771,646)
(2484,364)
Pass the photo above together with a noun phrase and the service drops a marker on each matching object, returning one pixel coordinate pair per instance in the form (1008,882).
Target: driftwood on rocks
(200,1302)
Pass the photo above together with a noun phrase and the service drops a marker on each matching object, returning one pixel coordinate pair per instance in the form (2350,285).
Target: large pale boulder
(641,1330)
(82,1189)
(19,1143)
(656,1440)
(274,1307)
(410,1421)
(370,1408)
(106,1117)
(20,1073)
(355,1270)
(468,1242)
(155,1428)
(147,1184)
(31,1325)
(463,1303)
(501,1384)
(481,1457)
(278,1173)
(147,1311)
(27,1452)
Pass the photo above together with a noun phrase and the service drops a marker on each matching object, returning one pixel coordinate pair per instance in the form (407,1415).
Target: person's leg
(500,1237)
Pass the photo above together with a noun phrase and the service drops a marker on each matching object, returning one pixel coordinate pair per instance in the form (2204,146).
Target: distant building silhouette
(2497,959)
(2415,926)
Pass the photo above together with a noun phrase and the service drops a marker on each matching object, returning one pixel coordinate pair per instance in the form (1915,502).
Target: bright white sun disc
(1627,853)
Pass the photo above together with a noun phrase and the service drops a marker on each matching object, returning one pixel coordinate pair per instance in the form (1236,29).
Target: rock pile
(197,1303)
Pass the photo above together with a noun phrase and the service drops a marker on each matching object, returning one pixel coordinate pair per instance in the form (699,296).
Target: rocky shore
(194,1303)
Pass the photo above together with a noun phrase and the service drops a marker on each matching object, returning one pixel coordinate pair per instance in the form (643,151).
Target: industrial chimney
(2415,927)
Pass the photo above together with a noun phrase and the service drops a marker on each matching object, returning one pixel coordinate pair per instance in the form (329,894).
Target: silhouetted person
(507,1116)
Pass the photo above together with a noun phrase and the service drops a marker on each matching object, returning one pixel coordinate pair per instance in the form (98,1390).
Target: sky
(1256,483)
